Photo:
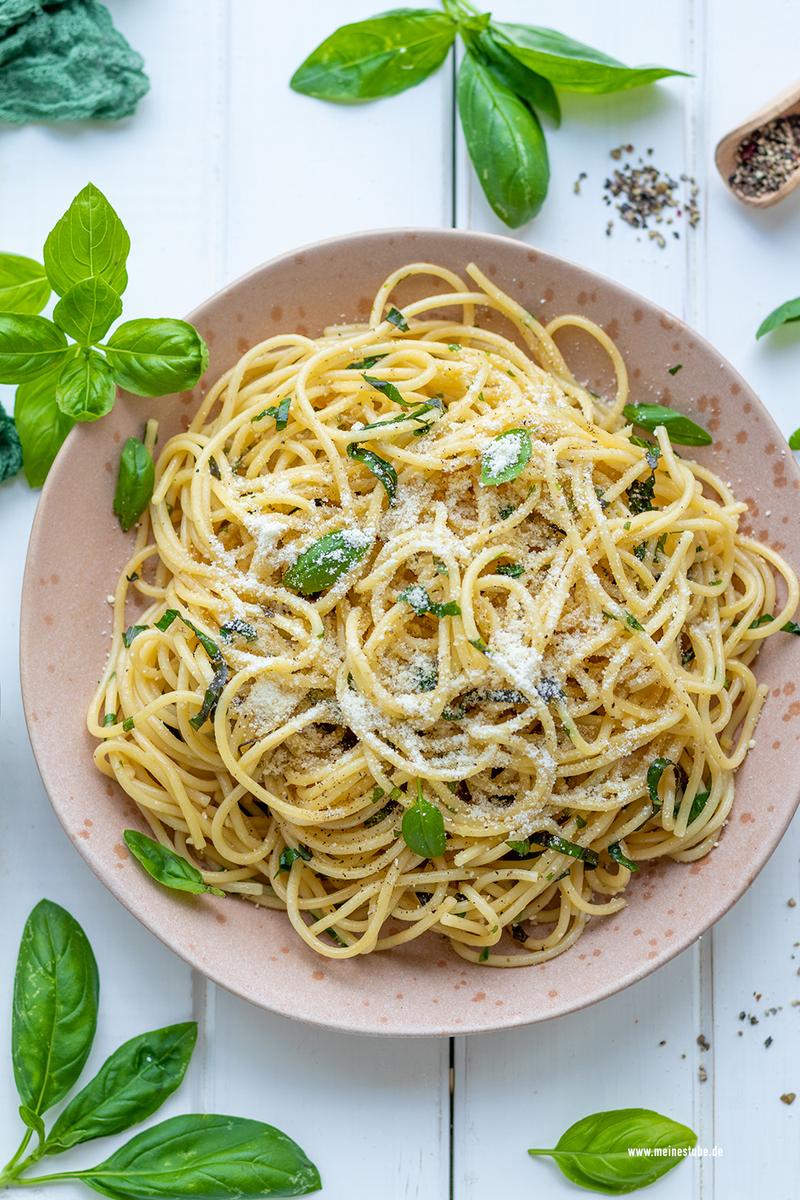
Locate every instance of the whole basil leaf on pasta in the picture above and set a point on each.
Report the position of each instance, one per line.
(156, 356)
(423, 828)
(86, 390)
(383, 471)
(505, 142)
(135, 481)
(326, 560)
(784, 314)
(131, 1084)
(88, 310)
(570, 64)
(41, 425)
(381, 56)
(206, 1157)
(531, 87)
(89, 239)
(680, 429)
(24, 287)
(54, 1008)
(29, 346)
(595, 1152)
(505, 457)
(165, 866)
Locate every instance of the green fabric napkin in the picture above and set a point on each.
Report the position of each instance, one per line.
(63, 60)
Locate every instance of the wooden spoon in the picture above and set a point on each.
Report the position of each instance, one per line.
(787, 104)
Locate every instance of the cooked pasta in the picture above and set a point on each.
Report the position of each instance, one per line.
(428, 640)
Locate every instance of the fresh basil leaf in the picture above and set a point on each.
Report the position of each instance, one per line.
(29, 346)
(135, 480)
(290, 853)
(573, 65)
(387, 389)
(505, 457)
(563, 846)
(791, 627)
(505, 142)
(54, 1008)
(654, 772)
(239, 628)
(88, 310)
(423, 828)
(88, 240)
(165, 866)
(86, 390)
(379, 57)
(132, 632)
(396, 318)
(41, 425)
(794, 440)
(416, 596)
(680, 429)
(383, 471)
(131, 1084)
(595, 1152)
(156, 356)
(615, 852)
(205, 1157)
(784, 314)
(24, 287)
(326, 560)
(698, 804)
(531, 87)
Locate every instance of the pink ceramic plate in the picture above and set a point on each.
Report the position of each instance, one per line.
(77, 550)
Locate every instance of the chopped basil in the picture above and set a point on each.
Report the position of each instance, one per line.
(562, 846)
(280, 412)
(132, 577)
(427, 677)
(289, 854)
(479, 644)
(109, 719)
(674, 370)
(127, 725)
(417, 597)
(238, 627)
(414, 415)
(383, 471)
(505, 457)
(640, 495)
(512, 569)
(660, 544)
(381, 814)
(766, 618)
(616, 853)
(580, 822)
(698, 804)
(484, 954)
(506, 510)
(640, 551)
(326, 560)
(163, 623)
(687, 655)
(385, 388)
(364, 364)
(221, 674)
(213, 468)
(396, 318)
(680, 429)
(522, 849)
(454, 346)
(131, 632)
(654, 772)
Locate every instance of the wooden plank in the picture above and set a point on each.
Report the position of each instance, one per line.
(527, 1086)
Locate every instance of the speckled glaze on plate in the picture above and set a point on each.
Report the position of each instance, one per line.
(77, 550)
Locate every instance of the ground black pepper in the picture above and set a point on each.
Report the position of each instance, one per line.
(767, 157)
(644, 196)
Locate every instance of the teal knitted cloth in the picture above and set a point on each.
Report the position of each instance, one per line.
(63, 60)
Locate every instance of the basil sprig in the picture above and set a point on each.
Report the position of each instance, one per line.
(135, 479)
(53, 1024)
(680, 429)
(595, 1152)
(383, 471)
(506, 81)
(326, 560)
(165, 866)
(423, 827)
(62, 381)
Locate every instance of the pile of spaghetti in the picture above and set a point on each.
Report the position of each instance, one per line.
(432, 640)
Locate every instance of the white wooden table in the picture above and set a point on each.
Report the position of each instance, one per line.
(223, 167)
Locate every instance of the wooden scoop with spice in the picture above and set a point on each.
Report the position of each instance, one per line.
(760, 159)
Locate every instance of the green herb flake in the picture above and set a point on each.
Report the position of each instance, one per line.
(674, 370)
(615, 852)
(290, 854)
(131, 632)
(109, 719)
(416, 596)
(383, 471)
(512, 569)
(238, 628)
(396, 318)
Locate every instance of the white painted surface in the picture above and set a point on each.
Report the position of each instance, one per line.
(222, 167)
